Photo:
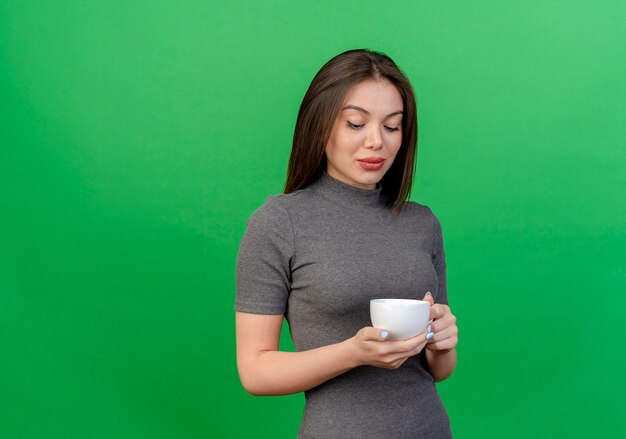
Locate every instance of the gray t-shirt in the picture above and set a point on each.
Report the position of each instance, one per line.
(319, 255)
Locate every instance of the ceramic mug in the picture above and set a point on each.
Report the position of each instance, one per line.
(402, 318)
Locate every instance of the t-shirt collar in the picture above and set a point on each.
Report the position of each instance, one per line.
(345, 194)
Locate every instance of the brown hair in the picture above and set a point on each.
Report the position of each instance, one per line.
(319, 110)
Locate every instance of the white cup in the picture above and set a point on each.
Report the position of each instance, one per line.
(402, 318)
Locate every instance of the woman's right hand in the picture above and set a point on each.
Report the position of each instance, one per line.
(371, 348)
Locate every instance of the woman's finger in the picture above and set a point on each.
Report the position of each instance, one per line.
(450, 331)
(404, 346)
(446, 339)
(444, 345)
(416, 350)
(429, 298)
(438, 310)
(444, 322)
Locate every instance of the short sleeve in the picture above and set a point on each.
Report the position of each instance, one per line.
(439, 261)
(263, 268)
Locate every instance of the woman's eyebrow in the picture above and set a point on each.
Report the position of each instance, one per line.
(363, 110)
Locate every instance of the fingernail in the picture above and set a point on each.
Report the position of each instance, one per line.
(427, 294)
(430, 335)
(429, 329)
(384, 335)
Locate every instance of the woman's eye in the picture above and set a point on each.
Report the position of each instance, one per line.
(353, 125)
(357, 126)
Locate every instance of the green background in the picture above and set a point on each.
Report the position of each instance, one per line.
(138, 137)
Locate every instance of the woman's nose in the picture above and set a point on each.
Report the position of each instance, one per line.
(374, 138)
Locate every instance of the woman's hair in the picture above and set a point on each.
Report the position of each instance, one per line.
(320, 107)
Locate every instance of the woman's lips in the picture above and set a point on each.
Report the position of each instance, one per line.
(371, 164)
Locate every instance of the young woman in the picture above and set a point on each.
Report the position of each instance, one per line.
(343, 233)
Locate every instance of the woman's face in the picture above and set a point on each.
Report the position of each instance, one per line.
(368, 126)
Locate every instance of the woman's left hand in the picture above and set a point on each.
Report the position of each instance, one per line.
(443, 327)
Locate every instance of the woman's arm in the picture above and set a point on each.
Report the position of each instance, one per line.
(441, 364)
(264, 370)
(441, 347)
